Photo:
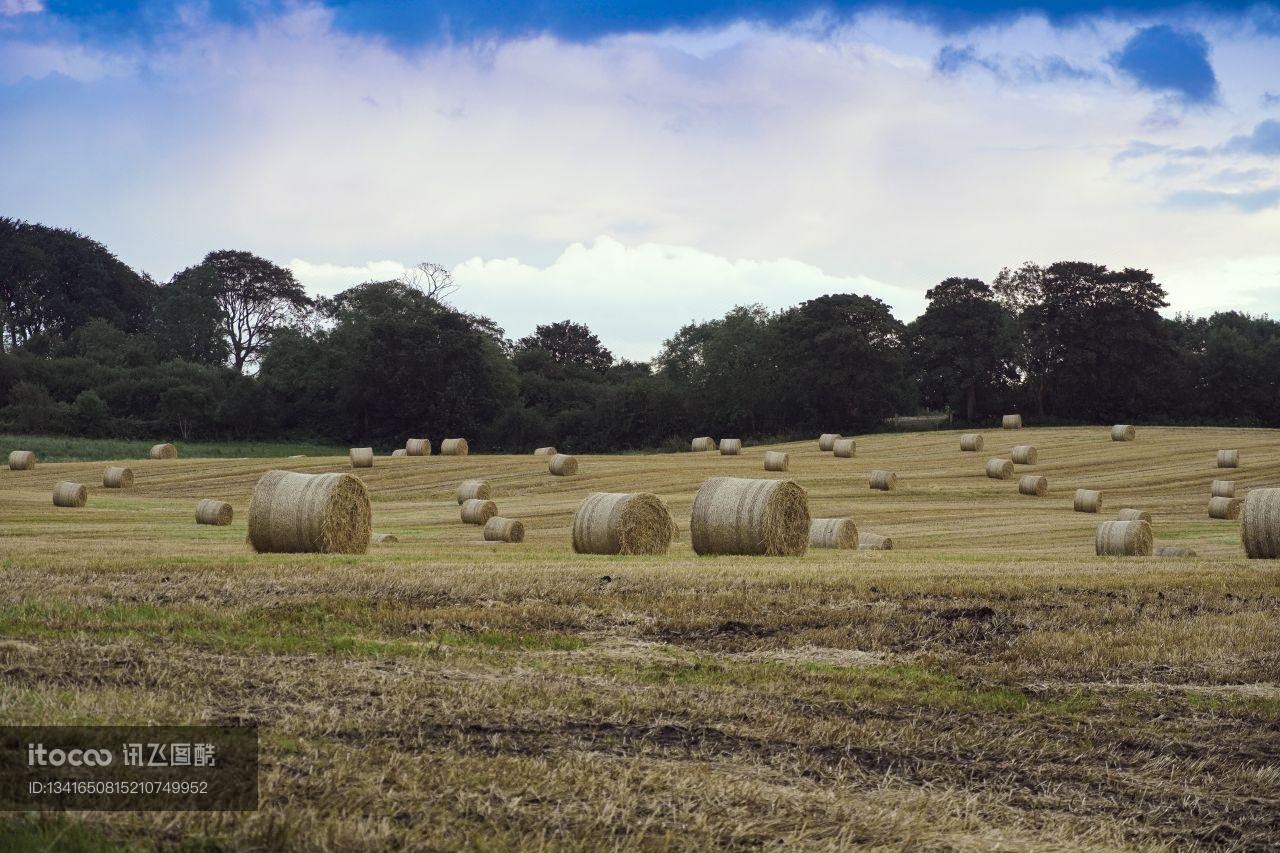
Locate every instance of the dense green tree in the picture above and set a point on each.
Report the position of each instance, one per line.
(256, 299)
(188, 322)
(567, 344)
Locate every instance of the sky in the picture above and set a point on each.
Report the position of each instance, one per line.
(638, 166)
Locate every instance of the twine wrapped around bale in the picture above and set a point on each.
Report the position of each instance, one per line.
(293, 513)
(361, 457)
(1023, 454)
(163, 451)
(618, 523)
(844, 448)
(399, 453)
(999, 469)
(1228, 508)
(116, 477)
(478, 511)
(775, 460)
(1088, 500)
(562, 465)
(881, 480)
(827, 441)
(499, 529)
(70, 494)
(1122, 432)
(874, 542)
(730, 446)
(1228, 458)
(970, 442)
(752, 517)
(1223, 489)
(22, 460)
(1123, 539)
(454, 447)
(1036, 485)
(210, 511)
(1134, 515)
(1174, 551)
(417, 447)
(545, 451)
(833, 533)
(1011, 422)
(383, 539)
(701, 443)
(469, 489)
(1260, 524)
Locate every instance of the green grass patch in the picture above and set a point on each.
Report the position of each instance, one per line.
(66, 448)
(55, 832)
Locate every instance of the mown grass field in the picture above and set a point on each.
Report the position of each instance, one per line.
(989, 684)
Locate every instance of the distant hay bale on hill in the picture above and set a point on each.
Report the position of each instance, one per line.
(833, 533)
(881, 480)
(477, 511)
(730, 446)
(117, 477)
(1088, 500)
(361, 457)
(562, 465)
(22, 460)
(622, 523)
(1174, 551)
(775, 460)
(1260, 524)
(1228, 458)
(210, 511)
(970, 442)
(384, 539)
(1023, 454)
(827, 441)
(844, 448)
(999, 469)
(701, 443)
(163, 451)
(1122, 432)
(309, 513)
(1011, 422)
(1123, 539)
(1134, 515)
(473, 489)
(454, 447)
(1036, 485)
(70, 494)
(751, 517)
(399, 453)
(1228, 508)
(545, 451)
(417, 447)
(499, 529)
(1223, 489)
(874, 542)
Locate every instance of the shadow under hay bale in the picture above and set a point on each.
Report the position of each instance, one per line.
(22, 460)
(970, 442)
(1123, 432)
(833, 533)
(117, 477)
(1087, 500)
(827, 441)
(622, 523)
(469, 489)
(999, 469)
(477, 511)
(499, 529)
(1036, 485)
(162, 451)
(292, 513)
(750, 517)
(775, 460)
(1123, 539)
(562, 465)
(1024, 454)
(210, 511)
(68, 494)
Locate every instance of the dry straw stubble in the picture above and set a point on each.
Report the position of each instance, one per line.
(750, 517)
(293, 513)
(22, 460)
(833, 533)
(163, 451)
(117, 477)
(562, 465)
(970, 442)
(1024, 454)
(210, 511)
(999, 469)
(499, 529)
(1123, 539)
(844, 448)
(1036, 485)
(1225, 508)
(1087, 500)
(622, 523)
(1260, 524)
(70, 494)
(775, 460)
(1123, 432)
(469, 489)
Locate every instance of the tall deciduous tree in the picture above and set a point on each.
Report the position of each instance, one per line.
(256, 298)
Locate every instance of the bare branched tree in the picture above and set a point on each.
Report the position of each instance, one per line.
(432, 279)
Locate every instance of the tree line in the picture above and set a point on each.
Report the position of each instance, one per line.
(233, 348)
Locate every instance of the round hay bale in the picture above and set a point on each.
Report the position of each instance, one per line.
(730, 446)
(833, 533)
(1023, 454)
(844, 448)
(1123, 539)
(70, 494)
(1036, 485)
(384, 539)
(399, 453)
(701, 443)
(827, 441)
(1174, 551)
(478, 511)
(617, 523)
(292, 513)
(1260, 524)
(753, 517)
(999, 469)
(1011, 422)
(361, 457)
(469, 489)
(454, 447)
(417, 447)
(499, 529)
(775, 460)
(116, 477)
(545, 451)
(1228, 508)
(1228, 458)
(882, 480)
(1088, 500)
(1122, 432)
(874, 542)
(1223, 489)
(1134, 515)
(163, 451)
(22, 460)
(562, 465)
(209, 511)
(970, 442)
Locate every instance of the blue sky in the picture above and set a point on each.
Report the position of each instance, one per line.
(640, 165)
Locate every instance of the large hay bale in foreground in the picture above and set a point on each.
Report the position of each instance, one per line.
(399, 453)
(1122, 432)
(1228, 458)
(701, 443)
(1174, 551)
(499, 529)
(1036, 485)
(1223, 489)
(562, 465)
(827, 441)
(1011, 422)
(163, 451)
(117, 477)
(775, 460)
(874, 542)
(469, 489)
(1134, 515)
(1123, 539)
(881, 480)
(454, 447)
(833, 533)
(1087, 500)
(545, 451)
(1227, 508)
(70, 494)
(1023, 454)
(970, 442)
(210, 511)
(752, 517)
(361, 457)
(844, 448)
(1260, 524)
(730, 446)
(22, 460)
(292, 513)
(620, 523)
(477, 511)
(417, 447)
(999, 469)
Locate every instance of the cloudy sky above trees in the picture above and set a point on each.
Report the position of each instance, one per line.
(637, 170)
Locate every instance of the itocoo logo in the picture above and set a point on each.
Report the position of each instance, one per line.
(39, 756)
